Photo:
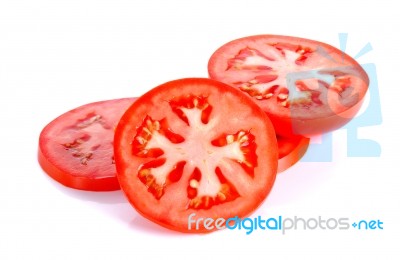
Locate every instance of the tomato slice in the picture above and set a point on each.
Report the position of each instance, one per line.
(76, 149)
(291, 150)
(306, 87)
(195, 146)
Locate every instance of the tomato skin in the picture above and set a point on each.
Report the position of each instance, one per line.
(171, 211)
(307, 127)
(336, 107)
(64, 167)
(291, 150)
(310, 127)
(81, 183)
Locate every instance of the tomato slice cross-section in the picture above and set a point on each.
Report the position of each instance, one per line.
(306, 87)
(195, 146)
(76, 148)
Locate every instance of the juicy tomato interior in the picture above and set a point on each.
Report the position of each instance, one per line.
(306, 87)
(291, 150)
(76, 149)
(195, 146)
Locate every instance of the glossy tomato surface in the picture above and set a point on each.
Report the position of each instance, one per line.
(306, 87)
(195, 146)
(76, 148)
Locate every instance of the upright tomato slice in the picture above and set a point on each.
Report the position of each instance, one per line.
(76, 148)
(195, 146)
(306, 87)
(291, 150)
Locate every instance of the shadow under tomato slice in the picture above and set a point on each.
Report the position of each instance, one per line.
(291, 150)
(76, 148)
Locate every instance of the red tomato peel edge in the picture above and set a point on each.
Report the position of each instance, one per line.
(291, 150)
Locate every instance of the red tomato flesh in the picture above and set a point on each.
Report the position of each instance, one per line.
(76, 148)
(195, 146)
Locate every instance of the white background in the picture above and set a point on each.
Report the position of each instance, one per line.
(56, 55)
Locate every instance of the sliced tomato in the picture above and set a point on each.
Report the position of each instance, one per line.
(195, 146)
(306, 87)
(291, 150)
(76, 148)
